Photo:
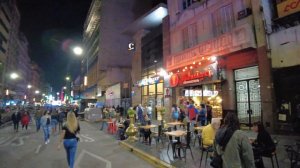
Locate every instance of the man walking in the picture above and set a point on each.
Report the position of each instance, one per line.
(16, 117)
(37, 117)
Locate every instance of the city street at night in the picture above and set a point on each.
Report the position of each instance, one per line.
(150, 83)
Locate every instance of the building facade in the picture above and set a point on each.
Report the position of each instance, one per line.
(284, 34)
(213, 54)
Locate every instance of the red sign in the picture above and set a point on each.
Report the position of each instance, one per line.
(174, 80)
(189, 78)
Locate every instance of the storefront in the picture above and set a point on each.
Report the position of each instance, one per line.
(152, 87)
(199, 84)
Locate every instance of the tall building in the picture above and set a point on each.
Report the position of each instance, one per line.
(107, 61)
(283, 30)
(214, 55)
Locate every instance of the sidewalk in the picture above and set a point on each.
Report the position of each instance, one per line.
(159, 156)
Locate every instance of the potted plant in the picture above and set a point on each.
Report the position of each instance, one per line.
(131, 130)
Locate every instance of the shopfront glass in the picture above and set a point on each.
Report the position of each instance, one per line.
(203, 94)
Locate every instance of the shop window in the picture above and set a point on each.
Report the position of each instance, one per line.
(151, 89)
(160, 88)
(223, 20)
(185, 37)
(145, 90)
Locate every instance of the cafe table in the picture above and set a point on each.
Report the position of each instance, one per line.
(148, 126)
(177, 134)
(199, 128)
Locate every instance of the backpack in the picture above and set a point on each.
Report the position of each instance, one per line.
(48, 121)
(175, 114)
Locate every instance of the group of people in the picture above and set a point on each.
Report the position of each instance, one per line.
(201, 115)
(50, 118)
(225, 138)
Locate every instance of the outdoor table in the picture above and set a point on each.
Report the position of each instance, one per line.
(148, 126)
(177, 134)
(200, 128)
(175, 124)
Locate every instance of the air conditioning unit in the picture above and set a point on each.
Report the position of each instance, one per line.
(244, 13)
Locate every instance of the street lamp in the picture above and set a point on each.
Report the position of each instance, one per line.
(67, 78)
(37, 92)
(77, 50)
(14, 75)
(29, 86)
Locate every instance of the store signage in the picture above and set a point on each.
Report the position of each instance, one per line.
(189, 78)
(148, 81)
(288, 7)
(131, 46)
(222, 45)
(199, 93)
(168, 92)
(174, 80)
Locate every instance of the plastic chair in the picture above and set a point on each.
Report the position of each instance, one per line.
(206, 149)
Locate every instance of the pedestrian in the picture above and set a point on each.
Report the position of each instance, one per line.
(46, 125)
(263, 145)
(69, 138)
(54, 121)
(233, 145)
(61, 116)
(38, 115)
(105, 117)
(208, 112)
(25, 120)
(16, 117)
(201, 116)
(175, 112)
(149, 110)
(139, 114)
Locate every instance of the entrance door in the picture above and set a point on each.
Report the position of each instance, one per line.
(248, 95)
(248, 101)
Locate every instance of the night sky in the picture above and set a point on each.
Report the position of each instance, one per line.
(52, 27)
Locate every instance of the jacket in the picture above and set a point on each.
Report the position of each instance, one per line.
(238, 152)
(25, 119)
(208, 135)
(44, 120)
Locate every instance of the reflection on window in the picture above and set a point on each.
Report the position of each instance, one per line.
(160, 88)
(151, 89)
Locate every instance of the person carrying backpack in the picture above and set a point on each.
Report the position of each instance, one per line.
(175, 112)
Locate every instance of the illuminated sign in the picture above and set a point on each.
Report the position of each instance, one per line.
(189, 78)
(131, 46)
(199, 93)
(288, 7)
(174, 80)
(148, 81)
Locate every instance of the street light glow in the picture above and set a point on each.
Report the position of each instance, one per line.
(37, 92)
(67, 78)
(65, 87)
(77, 50)
(57, 93)
(29, 86)
(14, 75)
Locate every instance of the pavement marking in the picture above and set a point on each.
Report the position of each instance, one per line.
(38, 149)
(86, 138)
(84, 152)
(20, 139)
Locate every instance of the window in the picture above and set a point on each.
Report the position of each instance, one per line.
(189, 36)
(187, 3)
(223, 20)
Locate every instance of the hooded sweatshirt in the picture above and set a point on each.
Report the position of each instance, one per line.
(238, 151)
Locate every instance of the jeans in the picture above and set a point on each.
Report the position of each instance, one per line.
(70, 147)
(46, 132)
(102, 126)
(16, 126)
(38, 124)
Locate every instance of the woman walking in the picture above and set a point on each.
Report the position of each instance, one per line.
(69, 138)
(46, 125)
(25, 120)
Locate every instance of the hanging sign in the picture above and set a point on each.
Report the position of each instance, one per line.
(148, 81)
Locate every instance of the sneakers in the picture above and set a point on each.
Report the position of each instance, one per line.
(48, 141)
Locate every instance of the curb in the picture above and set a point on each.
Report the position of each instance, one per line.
(147, 157)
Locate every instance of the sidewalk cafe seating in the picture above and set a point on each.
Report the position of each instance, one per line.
(294, 154)
(206, 149)
(172, 142)
(158, 136)
(185, 146)
(273, 154)
(112, 126)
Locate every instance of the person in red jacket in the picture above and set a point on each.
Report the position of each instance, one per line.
(25, 120)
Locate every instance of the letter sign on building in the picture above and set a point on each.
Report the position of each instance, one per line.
(288, 7)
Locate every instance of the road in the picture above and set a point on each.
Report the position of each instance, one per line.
(26, 149)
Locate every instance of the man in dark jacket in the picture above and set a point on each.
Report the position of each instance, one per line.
(16, 117)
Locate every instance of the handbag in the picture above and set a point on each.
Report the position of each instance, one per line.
(217, 161)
